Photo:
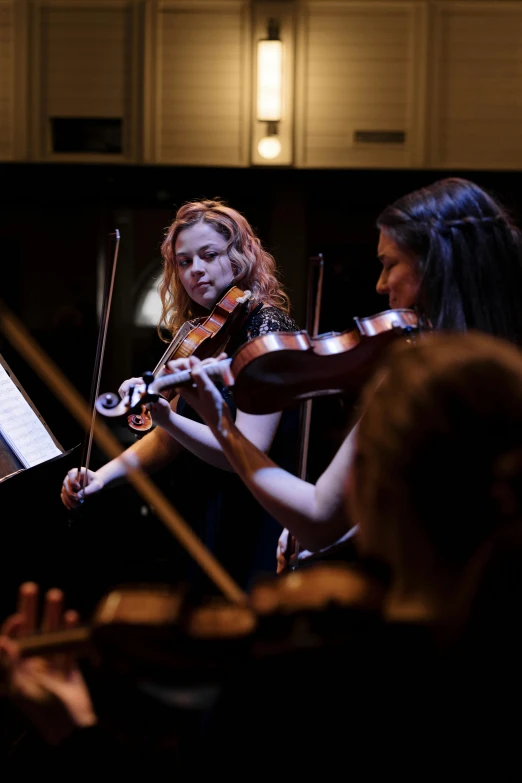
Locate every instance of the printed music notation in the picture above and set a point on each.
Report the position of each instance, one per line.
(22, 429)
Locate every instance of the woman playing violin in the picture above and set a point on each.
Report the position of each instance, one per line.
(436, 487)
(427, 678)
(208, 248)
(451, 252)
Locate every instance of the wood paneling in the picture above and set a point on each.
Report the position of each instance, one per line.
(360, 75)
(6, 80)
(200, 99)
(478, 69)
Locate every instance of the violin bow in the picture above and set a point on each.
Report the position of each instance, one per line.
(313, 313)
(110, 274)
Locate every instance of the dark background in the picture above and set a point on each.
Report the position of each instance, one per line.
(54, 223)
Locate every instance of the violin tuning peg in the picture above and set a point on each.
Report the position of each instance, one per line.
(148, 377)
(107, 401)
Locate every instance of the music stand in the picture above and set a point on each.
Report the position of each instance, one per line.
(32, 529)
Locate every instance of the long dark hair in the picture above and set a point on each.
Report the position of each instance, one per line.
(469, 252)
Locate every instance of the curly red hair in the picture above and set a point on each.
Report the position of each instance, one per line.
(254, 268)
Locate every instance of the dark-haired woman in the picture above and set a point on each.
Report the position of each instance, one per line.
(452, 252)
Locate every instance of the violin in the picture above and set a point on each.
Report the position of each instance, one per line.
(201, 337)
(152, 633)
(160, 634)
(273, 371)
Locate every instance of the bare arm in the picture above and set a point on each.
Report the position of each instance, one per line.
(200, 440)
(159, 447)
(314, 514)
(152, 452)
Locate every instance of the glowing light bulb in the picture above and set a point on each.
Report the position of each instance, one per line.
(269, 147)
(269, 81)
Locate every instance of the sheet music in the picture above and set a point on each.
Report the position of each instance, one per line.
(21, 428)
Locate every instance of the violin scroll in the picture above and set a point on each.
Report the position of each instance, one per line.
(107, 402)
